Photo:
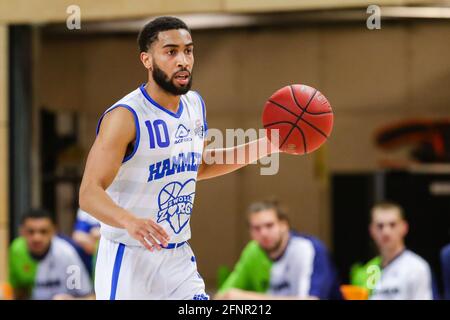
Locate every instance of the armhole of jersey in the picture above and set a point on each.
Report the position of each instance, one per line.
(205, 124)
(136, 122)
(320, 273)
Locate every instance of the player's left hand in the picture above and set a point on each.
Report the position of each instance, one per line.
(147, 232)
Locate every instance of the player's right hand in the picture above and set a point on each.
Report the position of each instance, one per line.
(147, 232)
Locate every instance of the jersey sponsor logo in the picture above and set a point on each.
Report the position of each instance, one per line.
(386, 291)
(175, 201)
(199, 130)
(182, 162)
(48, 283)
(280, 286)
(182, 134)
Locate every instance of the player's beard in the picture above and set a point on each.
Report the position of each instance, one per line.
(167, 84)
(275, 247)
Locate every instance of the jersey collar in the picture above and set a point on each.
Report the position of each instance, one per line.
(393, 259)
(285, 249)
(156, 104)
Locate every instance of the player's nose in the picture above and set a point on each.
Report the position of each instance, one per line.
(183, 61)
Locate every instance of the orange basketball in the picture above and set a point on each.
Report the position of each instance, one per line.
(303, 117)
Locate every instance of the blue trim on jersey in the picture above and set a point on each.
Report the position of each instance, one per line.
(321, 274)
(136, 122)
(324, 281)
(174, 245)
(156, 104)
(204, 112)
(116, 271)
(393, 259)
(83, 226)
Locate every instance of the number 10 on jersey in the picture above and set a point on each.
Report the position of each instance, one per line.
(158, 129)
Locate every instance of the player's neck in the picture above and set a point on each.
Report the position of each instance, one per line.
(390, 254)
(276, 254)
(42, 255)
(162, 97)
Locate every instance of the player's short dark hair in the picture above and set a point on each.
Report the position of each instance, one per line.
(150, 31)
(388, 205)
(37, 214)
(271, 204)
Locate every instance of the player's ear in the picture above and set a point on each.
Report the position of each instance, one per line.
(146, 60)
(405, 228)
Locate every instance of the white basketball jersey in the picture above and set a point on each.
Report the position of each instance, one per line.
(407, 277)
(157, 179)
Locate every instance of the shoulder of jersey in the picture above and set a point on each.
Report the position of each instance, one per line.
(300, 241)
(63, 247)
(302, 238)
(193, 97)
(131, 96)
(414, 260)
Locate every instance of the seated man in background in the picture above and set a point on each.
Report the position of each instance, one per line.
(86, 233)
(278, 263)
(403, 275)
(43, 266)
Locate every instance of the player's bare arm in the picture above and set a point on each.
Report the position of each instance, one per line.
(209, 170)
(117, 131)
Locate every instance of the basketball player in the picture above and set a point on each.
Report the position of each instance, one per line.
(404, 274)
(141, 173)
(279, 263)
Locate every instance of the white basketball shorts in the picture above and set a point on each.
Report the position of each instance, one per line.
(135, 273)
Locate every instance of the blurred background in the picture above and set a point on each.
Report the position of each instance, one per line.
(389, 89)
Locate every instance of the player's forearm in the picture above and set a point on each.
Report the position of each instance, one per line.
(217, 162)
(95, 201)
(215, 170)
